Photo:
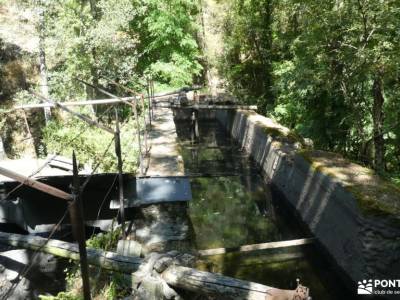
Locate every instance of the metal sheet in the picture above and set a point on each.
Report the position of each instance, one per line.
(154, 190)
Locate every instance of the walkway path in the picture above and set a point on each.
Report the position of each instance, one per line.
(165, 159)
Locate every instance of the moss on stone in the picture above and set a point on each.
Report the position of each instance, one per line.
(289, 137)
(369, 201)
(374, 194)
(248, 112)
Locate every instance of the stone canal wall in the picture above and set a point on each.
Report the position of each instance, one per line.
(362, 236)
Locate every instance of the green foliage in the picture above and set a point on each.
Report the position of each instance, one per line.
(104, 284)
(312, 65)
(105, 241)
(224, 214)
(396, 180)
(246, 62)
(120, 40)
(90, 143)
(167, 47)
(61, 296)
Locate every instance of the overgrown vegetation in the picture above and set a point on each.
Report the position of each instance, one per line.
(98, 41)
(104, 284)
(90, 143)
(329, 70)
(120, 40)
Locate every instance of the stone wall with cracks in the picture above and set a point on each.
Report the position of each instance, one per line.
(364, 246)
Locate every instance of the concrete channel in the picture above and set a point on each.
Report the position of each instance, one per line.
(243, 183)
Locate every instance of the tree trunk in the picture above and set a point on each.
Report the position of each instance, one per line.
(44, 88)
(378, 119)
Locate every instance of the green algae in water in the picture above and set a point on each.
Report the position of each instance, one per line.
(202, 154)
(226, 213)
(239, 210)
(278, 268)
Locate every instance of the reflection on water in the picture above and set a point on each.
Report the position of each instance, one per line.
(233, 206)
(232, 211)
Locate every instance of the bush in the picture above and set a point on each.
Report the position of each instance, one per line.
(90, 143)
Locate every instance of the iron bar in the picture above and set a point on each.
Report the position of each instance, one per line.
(36, 184)
(78, 228)
(120, 177)
(150, 99)
(135, 112)
(145, 126)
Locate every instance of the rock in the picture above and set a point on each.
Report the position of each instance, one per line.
(309, 143)
(164, 227)
(163, 263)
(44, 275)
(150, 289)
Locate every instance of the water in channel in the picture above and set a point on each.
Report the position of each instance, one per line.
(233, 205)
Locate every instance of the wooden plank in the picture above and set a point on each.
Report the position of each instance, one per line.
(76, 103)
(224, 287)
(36, 184)
(257, 247)
(105, 92)
(104, 259)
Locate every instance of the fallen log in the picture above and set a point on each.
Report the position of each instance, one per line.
(175, 276)
(257, 247)
(226, 287)
(105, 259)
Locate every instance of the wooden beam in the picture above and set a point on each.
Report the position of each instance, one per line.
(257, 247)
(113, 100)
(78, 115)
(117, 142)
(107, 260)
(105, 92)
(48, 160)
(76, 103)
(36, 184)
(200, 282)
(223, 287)
(78, 228)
